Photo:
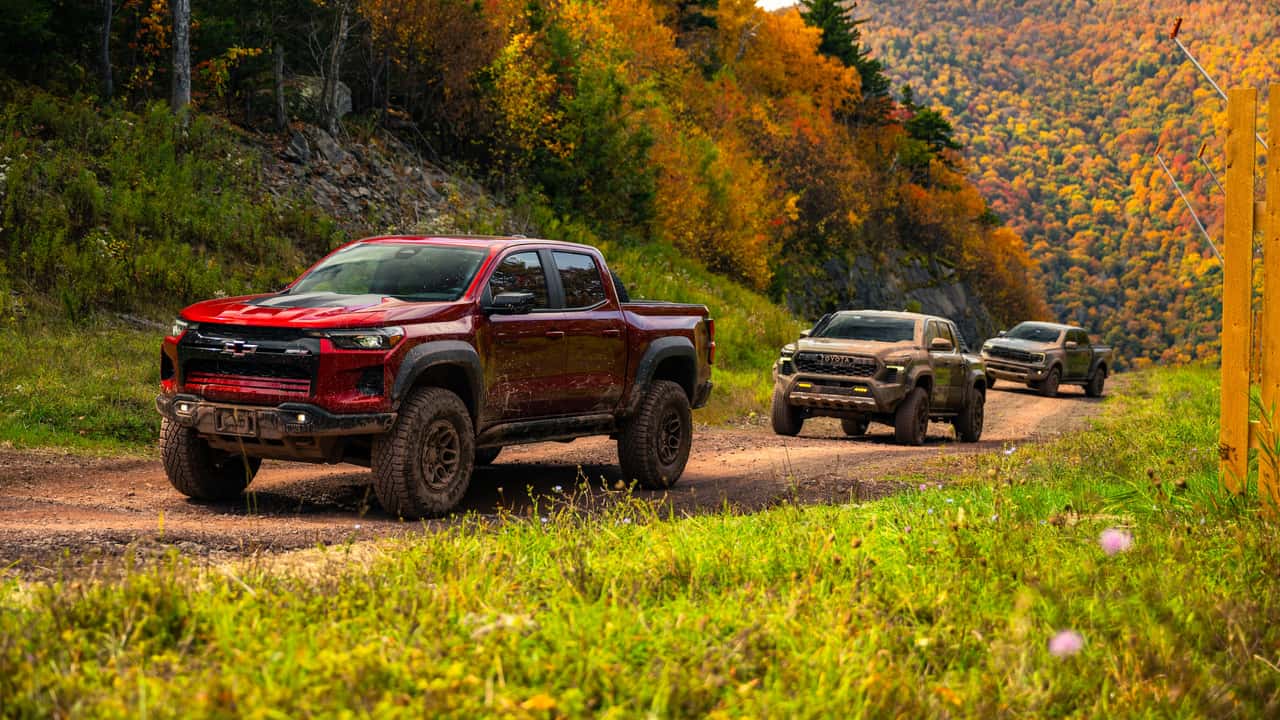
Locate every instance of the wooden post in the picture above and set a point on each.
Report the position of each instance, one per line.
(1269, 328)
(1237, 289)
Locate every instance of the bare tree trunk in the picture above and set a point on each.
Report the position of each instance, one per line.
(281, 118)
(181, 55)
(329, 94)
(108, 83)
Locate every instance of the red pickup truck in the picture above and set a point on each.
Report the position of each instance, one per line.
(422, 357)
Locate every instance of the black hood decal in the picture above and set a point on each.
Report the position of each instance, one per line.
(318, 300)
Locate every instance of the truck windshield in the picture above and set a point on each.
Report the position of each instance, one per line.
(868, 328)
(405, 271)
(1034, 332)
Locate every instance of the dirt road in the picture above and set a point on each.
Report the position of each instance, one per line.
(51, 503)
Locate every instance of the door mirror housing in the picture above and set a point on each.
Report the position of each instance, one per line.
(806, 333)
(940, 344)
(511, 303)
(1002, 333)
(1071, 345)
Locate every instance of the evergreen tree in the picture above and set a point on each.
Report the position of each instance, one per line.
(841, 39)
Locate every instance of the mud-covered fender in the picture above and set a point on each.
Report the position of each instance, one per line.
(434, 353)
(659, 351)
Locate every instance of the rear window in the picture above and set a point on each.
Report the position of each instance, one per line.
(869, 328)
(1034, 332)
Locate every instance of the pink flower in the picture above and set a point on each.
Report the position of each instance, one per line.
(1066, 643)
(1115, 541)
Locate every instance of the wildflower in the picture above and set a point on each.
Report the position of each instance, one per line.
(557, 489)
(995, 518)
(1066, 643)
(546, 520)
(1010, 450)
(930, 511)
(1115, 541)
(950, 500)
(356, 526)
(924, 486)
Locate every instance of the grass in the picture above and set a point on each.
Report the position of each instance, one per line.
(937, 602)
(87, 386)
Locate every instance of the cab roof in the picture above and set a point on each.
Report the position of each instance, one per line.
(892, 314)
(487, 241)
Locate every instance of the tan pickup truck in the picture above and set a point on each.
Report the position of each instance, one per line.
(1046, 355)
(901, 369)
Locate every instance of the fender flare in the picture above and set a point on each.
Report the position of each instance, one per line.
(659, 350)
(434, 353)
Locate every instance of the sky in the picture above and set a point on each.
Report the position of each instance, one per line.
(774, 4)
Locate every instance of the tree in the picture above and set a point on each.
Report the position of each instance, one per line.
(104, 58)
(181, 56)
(330, 112)
(841, 40)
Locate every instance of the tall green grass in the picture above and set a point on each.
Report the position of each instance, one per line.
(936, 602)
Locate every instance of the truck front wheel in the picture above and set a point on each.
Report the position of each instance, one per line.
(911, 419)
(786, 420)
(1049, 386)
(422, 467)
(1094, 388)
(654, 446)
(197, 470)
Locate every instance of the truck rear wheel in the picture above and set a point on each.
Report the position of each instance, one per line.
(969, 422)
(197, 470)
(855, 427)
(654, 446)
(911, 419)
(422, 467)
(1094, 388)
(786, 420)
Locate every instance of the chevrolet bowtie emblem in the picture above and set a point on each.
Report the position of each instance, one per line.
(238, 348)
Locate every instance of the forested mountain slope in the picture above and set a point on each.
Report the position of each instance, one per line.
(1060, 106)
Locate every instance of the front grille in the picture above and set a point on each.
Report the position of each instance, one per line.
(212, 331)
(247, 368)
(832, 364)
(1010, 353)
(211, 385)
(247, 363)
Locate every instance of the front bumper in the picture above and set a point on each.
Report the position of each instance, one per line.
(1014, 370)
(841, 395)
(288, 420)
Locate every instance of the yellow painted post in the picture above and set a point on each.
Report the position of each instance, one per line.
(1233, 442)
(1269, 329)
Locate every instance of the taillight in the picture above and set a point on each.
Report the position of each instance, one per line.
(711, 341)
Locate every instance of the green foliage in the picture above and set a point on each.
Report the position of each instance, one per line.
(933, 602)
(841, 39)
(122, 210)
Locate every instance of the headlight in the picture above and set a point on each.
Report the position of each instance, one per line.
(1037, 358)
(179, 327)
(986, 347)
(366, 339)
(788, 350)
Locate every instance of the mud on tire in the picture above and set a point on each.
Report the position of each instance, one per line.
(786, 420)
(197, 470)
(654, 446)
(422, 467)
(911, 419)
(969, 422)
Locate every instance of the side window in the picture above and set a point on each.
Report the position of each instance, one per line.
(583, 286)
(945, 332)
(521, 272)
(931, 332)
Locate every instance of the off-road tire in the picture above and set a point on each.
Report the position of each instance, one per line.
(654, 446)
(855, 427)
(199, 471)
(1048, 387)
(969, 422)
(911, 419)
(786, 419)
(486, 456)
(423, 465)
(1094, 387)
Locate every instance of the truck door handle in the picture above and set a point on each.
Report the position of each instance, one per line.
(506, 338)
(612, 333)
(555, 334)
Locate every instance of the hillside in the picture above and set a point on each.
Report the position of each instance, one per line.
(1060, 106)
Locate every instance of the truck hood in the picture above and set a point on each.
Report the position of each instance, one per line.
(1014, 344)
(853, 347)
(317, 310)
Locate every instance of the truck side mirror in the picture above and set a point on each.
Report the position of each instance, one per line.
(940, 344)
(1002, 333)
(806, 333)
(1071, 345)
(510, 303)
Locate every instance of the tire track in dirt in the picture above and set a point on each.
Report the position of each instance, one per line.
(51, 503)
